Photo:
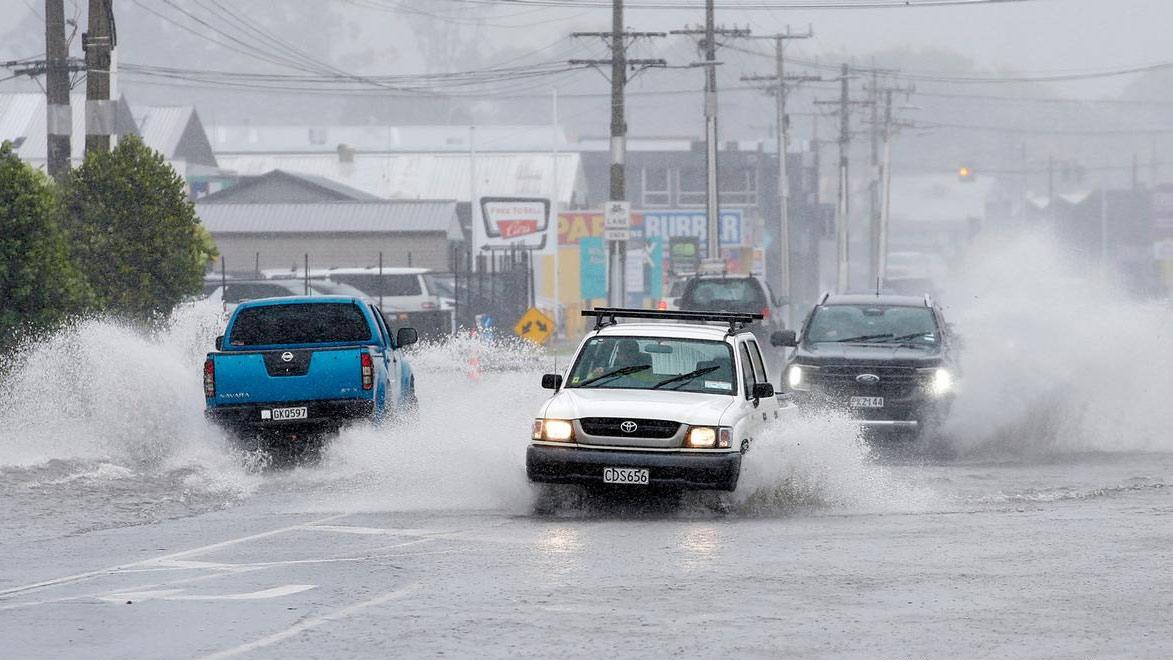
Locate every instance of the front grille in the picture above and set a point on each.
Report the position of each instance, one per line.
(645, 428)
(841, 379)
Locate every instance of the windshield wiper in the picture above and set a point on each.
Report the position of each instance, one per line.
(905, 338)
(863, 338)
(685, 377)
(621, 371)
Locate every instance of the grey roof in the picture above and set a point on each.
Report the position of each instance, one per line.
(329, 217)
(162, 127)
(430, 175)
(327, 187)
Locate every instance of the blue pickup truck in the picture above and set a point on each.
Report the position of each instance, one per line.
(296, 369)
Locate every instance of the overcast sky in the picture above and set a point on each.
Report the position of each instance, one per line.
(1031, 36)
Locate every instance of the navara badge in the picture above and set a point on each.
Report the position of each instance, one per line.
(867, 379)
(287, 357)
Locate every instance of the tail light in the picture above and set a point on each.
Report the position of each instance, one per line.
(209, 378)
(766, 313)
(368, 371)
(428, 306)
(663, 305)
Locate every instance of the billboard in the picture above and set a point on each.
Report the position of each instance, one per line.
(512, 222)
(666, 225)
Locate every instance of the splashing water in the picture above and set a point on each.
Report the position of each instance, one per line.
(819, 461)
(1055, 361)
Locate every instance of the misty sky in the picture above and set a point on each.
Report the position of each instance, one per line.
(1033, 36)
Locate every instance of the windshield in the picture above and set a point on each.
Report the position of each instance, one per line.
(318, 323)
(873, 324)
(645, 363)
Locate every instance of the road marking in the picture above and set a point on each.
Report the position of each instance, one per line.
(177, 594)
(164, 558)
(312, 622)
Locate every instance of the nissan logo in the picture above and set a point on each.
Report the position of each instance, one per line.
(867, 379)
(629, 427)
(287, 357)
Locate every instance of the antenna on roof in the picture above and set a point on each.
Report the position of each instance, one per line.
(878, 280)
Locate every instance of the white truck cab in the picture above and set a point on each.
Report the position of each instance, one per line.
(672, 399)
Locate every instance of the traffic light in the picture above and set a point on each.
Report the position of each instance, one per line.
(965, 174)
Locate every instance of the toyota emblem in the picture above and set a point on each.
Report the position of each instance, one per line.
(628, 426)
(287, 357)
(867, 379)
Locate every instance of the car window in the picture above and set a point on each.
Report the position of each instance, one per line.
(382, 327)
(386, 285)
(747, 372)
(321, 323)
(755, 356)
(685, 365)
(722, 291)
(242, 291)
(873, 323)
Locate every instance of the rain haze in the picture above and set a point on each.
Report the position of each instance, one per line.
(369, 328)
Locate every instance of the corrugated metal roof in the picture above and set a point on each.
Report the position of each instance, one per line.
(338, 217)
(325, 139)
(427, 176)
(162, 126)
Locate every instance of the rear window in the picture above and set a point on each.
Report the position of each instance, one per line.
(384, 285)
(318, 323)
(717, 293)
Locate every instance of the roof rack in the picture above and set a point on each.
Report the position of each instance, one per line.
(605, 316)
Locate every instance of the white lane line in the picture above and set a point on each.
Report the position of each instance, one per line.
(177, 594)
(312, 622)
(164, 558)
(223, 570)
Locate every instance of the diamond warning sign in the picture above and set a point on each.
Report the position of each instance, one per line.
(535, 326)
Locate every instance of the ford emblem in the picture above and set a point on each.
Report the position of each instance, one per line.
(867, 379)
(287, 357)
(629, 427)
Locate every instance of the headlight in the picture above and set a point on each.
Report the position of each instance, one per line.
(553, 430)
(798, 377)
(708, 437)
(940, 381)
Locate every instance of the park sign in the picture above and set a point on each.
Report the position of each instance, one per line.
(513, 222)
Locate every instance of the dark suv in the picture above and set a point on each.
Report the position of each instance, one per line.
(746, 294)
(887, 360)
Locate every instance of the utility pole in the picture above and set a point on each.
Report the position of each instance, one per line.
(842, 208)
(708, 47)
(886, 128)
(618, 40)
(783, 136)
(98, 44)
(876, 175)
(58, 117)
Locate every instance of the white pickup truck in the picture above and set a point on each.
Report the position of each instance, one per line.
(675, 402)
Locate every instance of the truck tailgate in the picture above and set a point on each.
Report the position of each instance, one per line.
(293, 375)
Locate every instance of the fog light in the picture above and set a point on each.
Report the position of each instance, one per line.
(702, 437)
(796, 377)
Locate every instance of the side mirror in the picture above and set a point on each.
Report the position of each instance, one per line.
(763, 391)
(220, 343)
(551, 381)
(406, 337)
(784, 338)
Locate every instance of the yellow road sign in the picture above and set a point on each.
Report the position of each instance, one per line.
(534, 326)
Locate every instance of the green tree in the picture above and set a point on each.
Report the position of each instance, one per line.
(134, 233)
(39, 286)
